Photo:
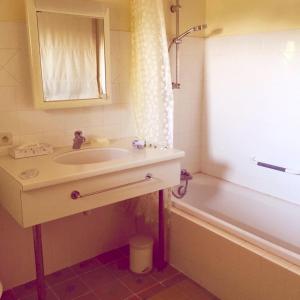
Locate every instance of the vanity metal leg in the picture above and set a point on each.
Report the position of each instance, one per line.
(39, 263)
(161, 232)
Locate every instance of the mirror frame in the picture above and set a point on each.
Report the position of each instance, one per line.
(35, 57)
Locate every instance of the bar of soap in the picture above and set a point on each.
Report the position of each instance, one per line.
(101, 142)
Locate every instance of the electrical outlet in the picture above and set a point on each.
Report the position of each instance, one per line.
(6, 139)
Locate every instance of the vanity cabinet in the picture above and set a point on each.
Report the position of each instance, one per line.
(56, 190)
(49, 203)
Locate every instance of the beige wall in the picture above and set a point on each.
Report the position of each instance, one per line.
(14, 10)
(242, 17)
(192, 13)
(232, 16)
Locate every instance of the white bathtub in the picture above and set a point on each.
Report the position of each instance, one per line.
(265, 221)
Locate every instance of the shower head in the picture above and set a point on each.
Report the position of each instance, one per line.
(200, 27)
(179, 38)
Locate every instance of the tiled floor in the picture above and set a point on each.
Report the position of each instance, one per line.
(107, 277)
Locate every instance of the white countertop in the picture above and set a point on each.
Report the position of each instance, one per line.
(52, 173)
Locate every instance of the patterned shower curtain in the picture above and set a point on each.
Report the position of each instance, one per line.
(151, 78)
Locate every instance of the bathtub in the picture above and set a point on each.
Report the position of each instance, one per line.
(267, 222)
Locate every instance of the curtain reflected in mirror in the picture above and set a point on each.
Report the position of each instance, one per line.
(72, 50)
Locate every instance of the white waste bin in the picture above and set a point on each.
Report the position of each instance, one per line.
(141, 254)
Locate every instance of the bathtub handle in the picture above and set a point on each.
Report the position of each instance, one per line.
(276, 168)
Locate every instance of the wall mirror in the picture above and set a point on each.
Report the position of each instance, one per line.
(70, 53)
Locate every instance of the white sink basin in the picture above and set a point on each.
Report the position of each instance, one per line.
(91, 156)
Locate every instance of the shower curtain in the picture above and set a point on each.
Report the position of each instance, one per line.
(150, 75)
(151, 88)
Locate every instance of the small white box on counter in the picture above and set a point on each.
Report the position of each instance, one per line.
(29, 150)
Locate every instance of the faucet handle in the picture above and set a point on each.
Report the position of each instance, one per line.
(78, 133)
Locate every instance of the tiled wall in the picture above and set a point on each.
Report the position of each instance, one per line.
(79, 237)
(251, 108)
(57, 127)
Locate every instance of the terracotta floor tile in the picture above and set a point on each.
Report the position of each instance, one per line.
(60, 276)
(114, 290)
(26, 289)
(193, 291)
(49, 296)
(124, 250)
(173, 280)
(87, 266)
(88, 296)
(183, 290)
(146, 294)
(97, 278)
(133, 297)
(109, 257)
(119, 268)
(168, 272)
(107, 277)
(8, 295)
(70, 289)
(172, 293)
(136, 283)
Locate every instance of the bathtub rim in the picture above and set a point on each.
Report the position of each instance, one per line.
(244, 235)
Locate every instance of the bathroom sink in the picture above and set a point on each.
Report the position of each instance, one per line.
(91, 156)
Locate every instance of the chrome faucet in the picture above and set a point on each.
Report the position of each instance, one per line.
(78, 140)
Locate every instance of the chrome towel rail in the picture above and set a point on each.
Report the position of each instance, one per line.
(76, 194)
(276, 168)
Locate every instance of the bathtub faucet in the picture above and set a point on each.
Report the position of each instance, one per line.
(185, 175)
(181, 190)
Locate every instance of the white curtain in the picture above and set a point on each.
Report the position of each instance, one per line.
(151, 79)
(68, 47)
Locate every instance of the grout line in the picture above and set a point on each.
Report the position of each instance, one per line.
(85, 284)
(80, 295)
(148, 288)
(173, 276)
(125, 285)
(12, 57)
(54, 293)
(89, 271)
(63, 281)
(92, 290)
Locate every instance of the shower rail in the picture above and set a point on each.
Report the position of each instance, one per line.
(175, 8)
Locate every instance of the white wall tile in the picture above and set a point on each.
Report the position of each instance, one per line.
(6, 55)
(18, 66)
(7, 79)
(252, 109)
(7, 98)
(9, 122)
(13, 35)
(58, 126)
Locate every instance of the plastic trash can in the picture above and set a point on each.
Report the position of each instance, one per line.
(141, 254)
